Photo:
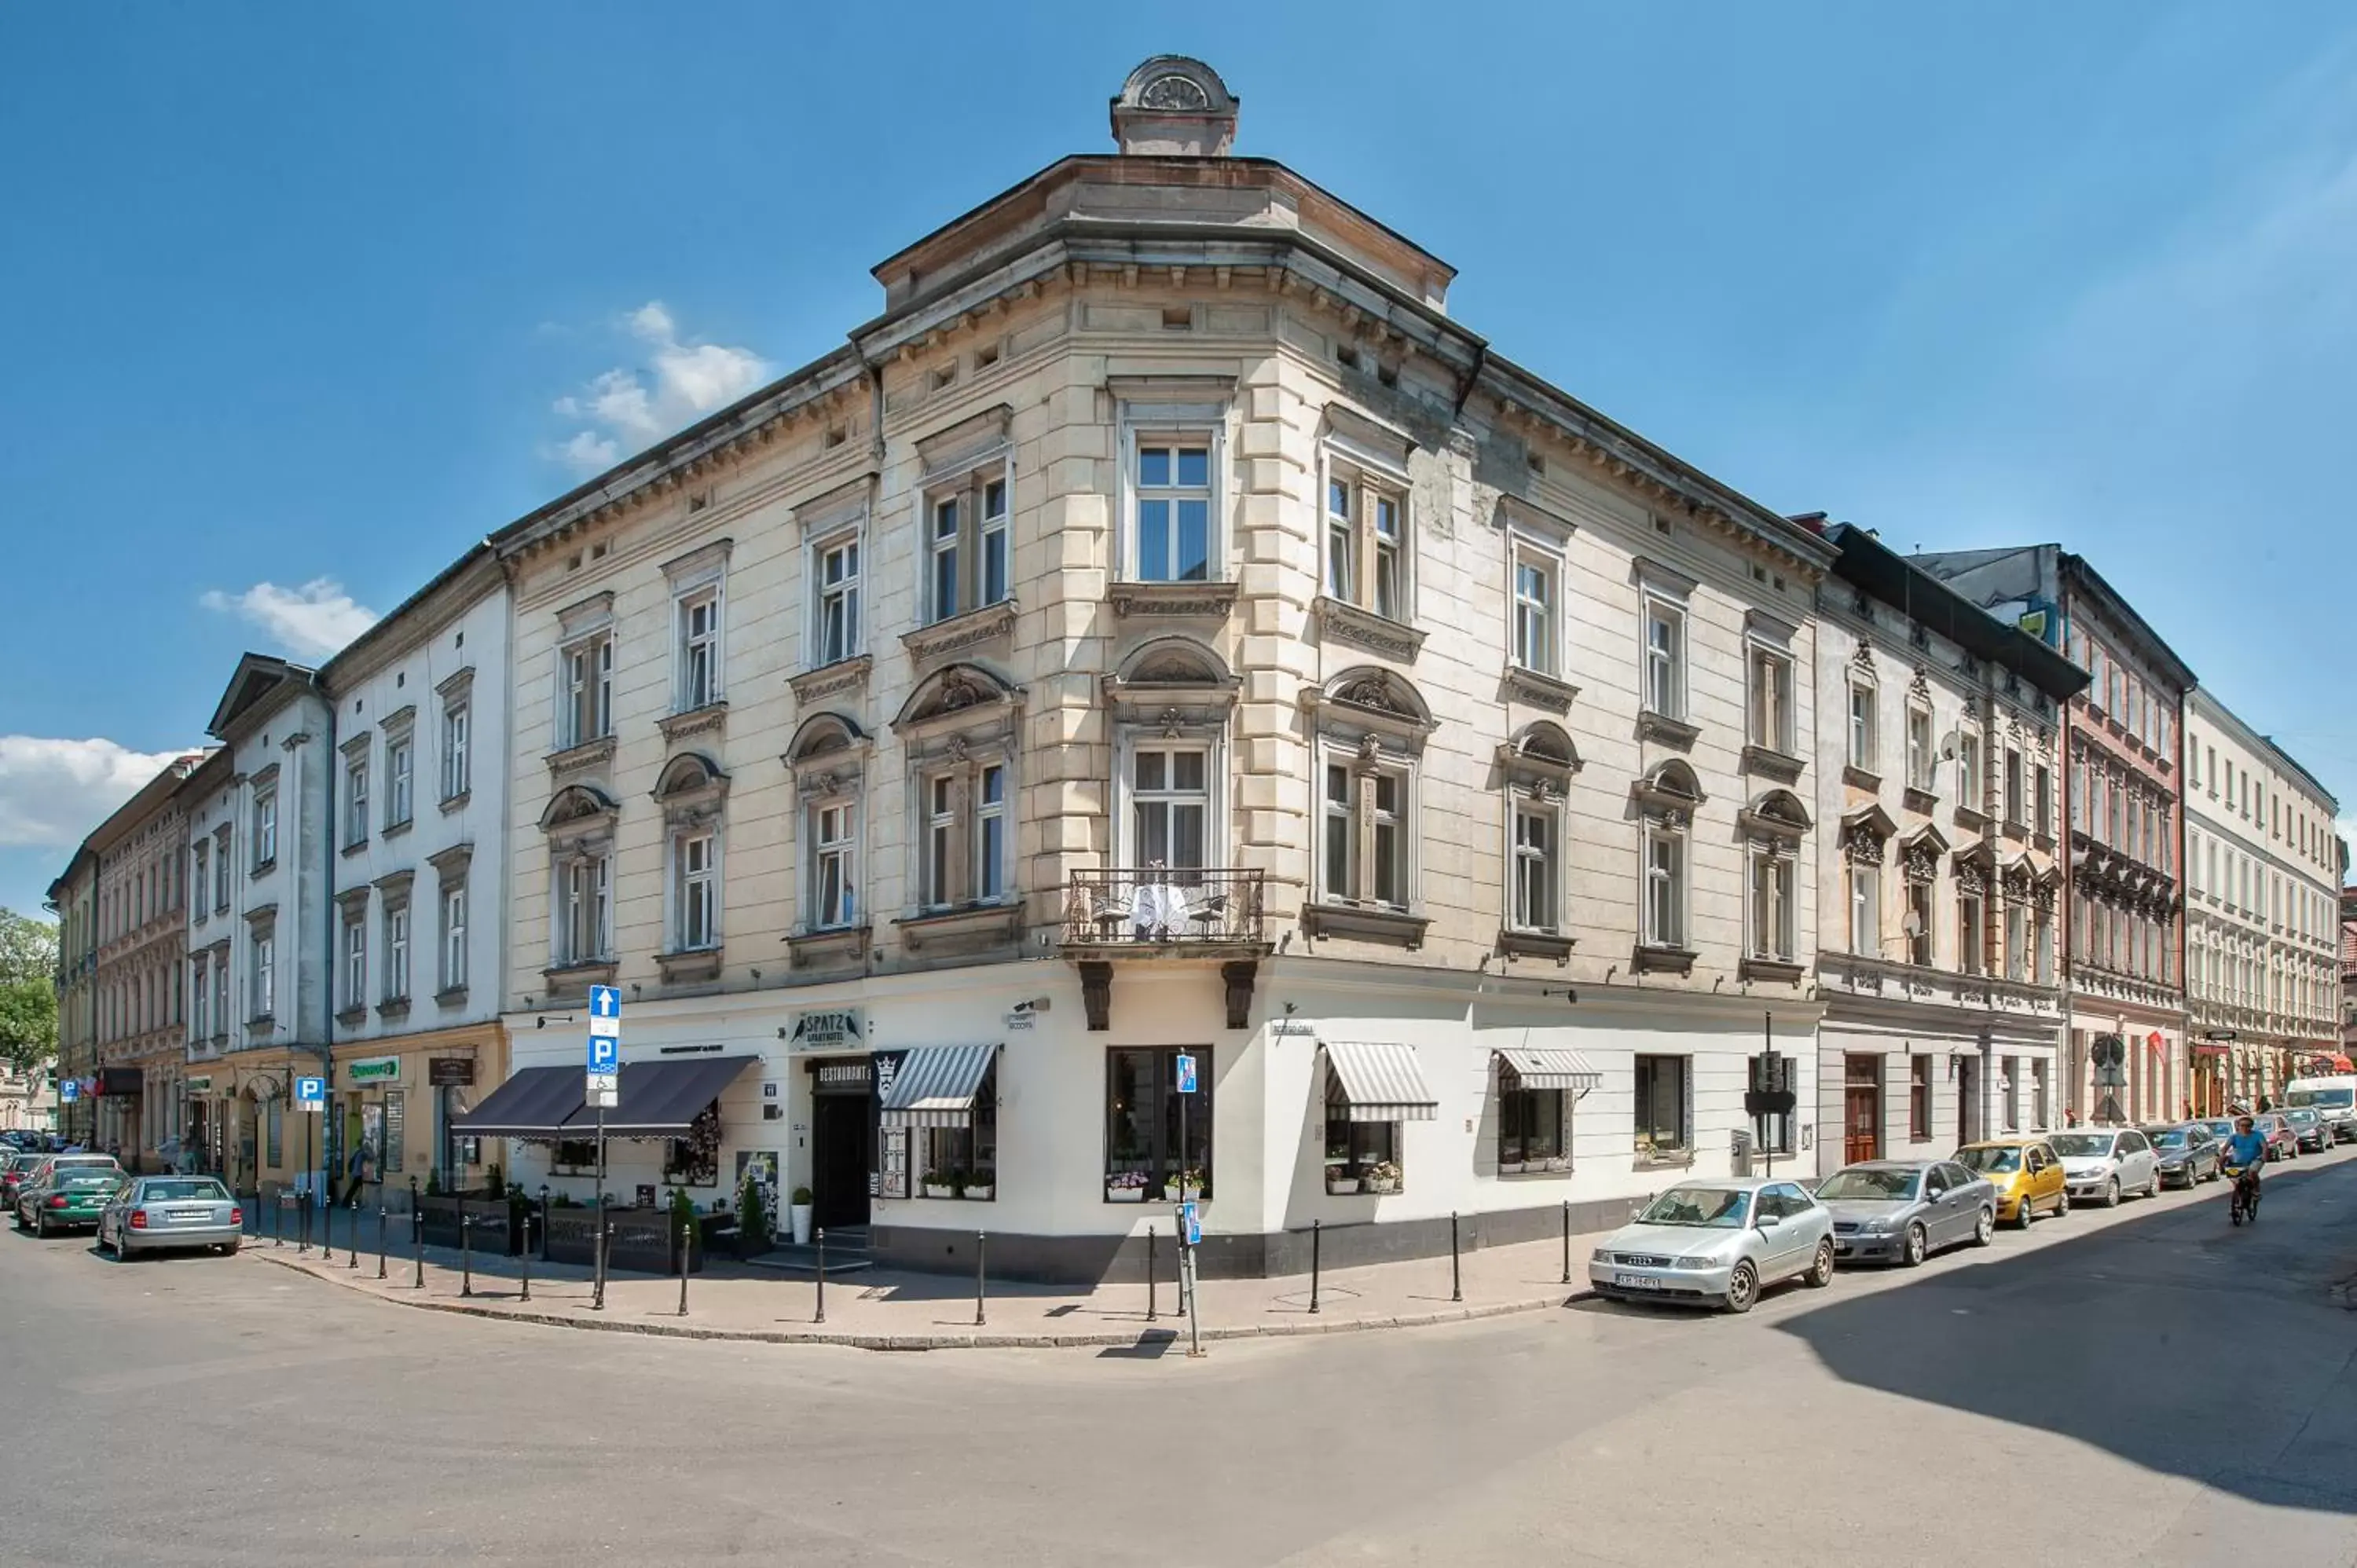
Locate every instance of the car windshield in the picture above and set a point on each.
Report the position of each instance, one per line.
(1720, 1208)
(2324, 1099)
(1989, 1157)
(1865, 1185)
(2221, 1129)
(2303, 1116)
(202, 1189)
(2078, 1145)
(2168, 1138)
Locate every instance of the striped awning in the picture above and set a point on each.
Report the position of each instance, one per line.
(936, 1085)
(1380, 1081)
(1551, 1068)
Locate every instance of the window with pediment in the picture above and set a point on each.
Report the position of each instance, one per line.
(1370, 726)
(828, 758)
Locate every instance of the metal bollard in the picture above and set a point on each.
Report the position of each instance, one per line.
(302, 1223)
(1317, 1235)
(1152, 1268)
(1456, 1278)
(353, 1236)
(379, 1239)
(278, 1204)
(466, 1253)
(524, 1257)
(1566, 1243)
(417, 1246)
(980, 1245)
(822, 1276)
(683, 1234)
(597, 1285)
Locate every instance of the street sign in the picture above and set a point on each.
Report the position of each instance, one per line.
(1190, 1222)
(606, 1011)
(1186, 1074)
(69, 1090)
(311, 1094)
(605, 1054)
(1771, 1073)
(604, 1091)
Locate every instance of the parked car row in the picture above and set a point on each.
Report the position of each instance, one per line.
(1720, 1243)
(48, 1193)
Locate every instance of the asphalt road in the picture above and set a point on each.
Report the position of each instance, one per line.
(2144, 1386)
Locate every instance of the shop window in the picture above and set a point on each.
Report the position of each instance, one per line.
(1664, 1108)
(1919, 1098)
(574, 1156)
(694, 1160)
(1361, 1157)
(964, 1160)
(1534, 1127)
(1143, 1111)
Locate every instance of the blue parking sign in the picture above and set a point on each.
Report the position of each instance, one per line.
(1191, 1223)
(69, 1090)
(1186, 1074)
(605, 1054)
(311, 1094)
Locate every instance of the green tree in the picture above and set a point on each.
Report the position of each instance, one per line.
(28, 996)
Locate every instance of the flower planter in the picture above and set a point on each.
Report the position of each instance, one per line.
(1341, 1186)
(982, 1194)
(1510, 1168)
(1557, 1162)
(1382, 1187)
(1172, 1195)
(799, 1216)
(935, 1189)
(1124, 1194)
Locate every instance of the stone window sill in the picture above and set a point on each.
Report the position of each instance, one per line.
(837, 945)
(1678, 733)
(450, 996)
(971, 927)
(825, 680)
(1770, 763)
(456, 802)
(574, 759)
(394, 829)
(394, 1008)
(1365, 922)
(689, 965)
(712, 717)
(1656, 959)
(1535, 944)
(1540, 689)
(1861, 778)
(1173, 601)
(1777, 970)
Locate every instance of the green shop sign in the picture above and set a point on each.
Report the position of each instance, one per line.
(376, 1070)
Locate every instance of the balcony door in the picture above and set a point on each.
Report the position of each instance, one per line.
(1170, 805)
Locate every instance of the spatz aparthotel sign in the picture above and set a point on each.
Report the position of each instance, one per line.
(835, 1029)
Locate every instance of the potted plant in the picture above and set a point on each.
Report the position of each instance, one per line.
(1557, 1162)
(800, 1214)
(1125, 1186)
(982, 1183)
(1383, 1175)
(1339, 1180)
(1189, 1185)
(940, 1184)
(1512, 1167)
(753, 1231)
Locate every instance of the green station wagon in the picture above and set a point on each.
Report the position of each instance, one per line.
(69, 1199)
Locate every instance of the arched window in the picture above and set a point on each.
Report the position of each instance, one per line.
(692, 793)
(1536, 770)
(1370, 726)
(828, 758)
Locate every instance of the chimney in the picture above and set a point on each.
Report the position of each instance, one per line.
(1173, 107)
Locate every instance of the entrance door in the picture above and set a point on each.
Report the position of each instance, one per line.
(841, 1128)
(1968, 1099)
(1861, 1108)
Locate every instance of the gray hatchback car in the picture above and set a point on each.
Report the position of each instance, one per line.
(1904, 1210)
(151, 1214)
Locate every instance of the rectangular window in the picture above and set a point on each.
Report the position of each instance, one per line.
(995, 578)
(1390, 548)
(1865, 909)
(964, 1159)
(355, 960)
(2009, 1075)
(2043, 777)
(396, 952)
(1367, 840)
(699, 651)
(221, 870)
(265, 828)
(1534, 604)
(835, 876)
(1174, 512)
(1359, 1155)
(990, 833)
(1340, 828)
(836, 630)
(588, 708)
(273, 1137)
(2016, 941)
(941, 842)
(1663, 1120)
(1665, 895)
(1366, 543)
(199, 875)
(945, 573)
(1919, 924)
(2041, 937)
(1971, 793)
(1919, 1098)
(1341, 541)
(1665, 676)
(1918, 748)
(199, 1000)
(1532, 1126)
(1535, 854)
(454, 937)
(456, 770)
(1169, 805)
(1390, 841)
(399, 767)
(1771, 906)
(1864, 746)
(356, 801)
(584, 924)
(265, 973)
(1144, 1142)
(2013, 798)
(1771, 701)
(697, 873)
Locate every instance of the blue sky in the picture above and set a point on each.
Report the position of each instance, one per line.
(307, 298)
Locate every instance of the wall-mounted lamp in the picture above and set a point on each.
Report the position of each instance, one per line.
(1610, 972)
(634, 988)
(1036, 1005)
(757, 977)
(1288, 1009)
(1567, 993)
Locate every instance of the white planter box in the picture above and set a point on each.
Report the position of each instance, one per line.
(1510, 1168)
(982, 1193)
(1383, 1187)
(932, 1191)
(1340, 1186)
(799, 1215)
(1124, 1194)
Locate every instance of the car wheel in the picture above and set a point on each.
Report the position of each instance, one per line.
(1821, 1271)
(2112, 1193)
(229, 1249)
(1742, 1288)
(1918, 1245)
(40, 1227)
(2063, 1203)
(1984, 1229)
(2028, 1213)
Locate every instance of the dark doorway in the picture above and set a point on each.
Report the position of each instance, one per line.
(842, 1129)
(1861, 1109)
(1968, 1100)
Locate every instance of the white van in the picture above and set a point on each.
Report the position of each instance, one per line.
(2334, 1098)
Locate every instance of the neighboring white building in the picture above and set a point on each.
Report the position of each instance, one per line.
(1162, 630)
(1940, 942)
(419, 872)
(2263, 904)
(259, 932)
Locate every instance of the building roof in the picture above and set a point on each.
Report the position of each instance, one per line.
(1898, 582)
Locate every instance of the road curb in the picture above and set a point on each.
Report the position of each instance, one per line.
(977, 1339)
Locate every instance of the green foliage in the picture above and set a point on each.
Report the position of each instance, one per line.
(29, 997)
(803, 1198)
(754, 1224)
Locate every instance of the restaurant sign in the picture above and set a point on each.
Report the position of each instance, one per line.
(451, 1072)
(375, 1069)
(835, 1029)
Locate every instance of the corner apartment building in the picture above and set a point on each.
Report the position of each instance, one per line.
(2124, 781)
(1163, 629)
(1942, 874)
(140, 908)
(2263, 876)
(73, 899)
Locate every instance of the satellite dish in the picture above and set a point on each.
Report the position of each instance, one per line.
(1948, 746)
(1912, 925)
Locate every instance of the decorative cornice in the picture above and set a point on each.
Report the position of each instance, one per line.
(831, 679)
(712, 717)
(1539, 690)
(961, 633)
(1173, 601)
(1670, 732)
(1341, 621)
(580, 758)
(1772, 764)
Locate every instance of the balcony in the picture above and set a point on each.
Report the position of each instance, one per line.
(1147, 912)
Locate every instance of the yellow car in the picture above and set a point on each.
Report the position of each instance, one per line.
(2026, 1173)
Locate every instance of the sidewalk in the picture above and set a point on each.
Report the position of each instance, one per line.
(878, 1309)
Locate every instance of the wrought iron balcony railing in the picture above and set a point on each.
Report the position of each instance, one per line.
(1157, 905)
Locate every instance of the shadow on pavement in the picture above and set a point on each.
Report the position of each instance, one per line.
(2173, 1340)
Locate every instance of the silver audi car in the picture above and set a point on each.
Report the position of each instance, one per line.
(1902, 1211)
(1717, 1243)
(151, 1214)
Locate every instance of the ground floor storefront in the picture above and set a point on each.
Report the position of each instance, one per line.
(1381, 1107)
(2127, 1063)
(1897, 1080)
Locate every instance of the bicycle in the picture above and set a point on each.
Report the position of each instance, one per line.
(2245, 1204)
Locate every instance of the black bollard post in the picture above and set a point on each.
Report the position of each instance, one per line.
(822, 1276)
(353, 1236)
(1456, 1279)
(682, 1266)
(466, 1250)
(277, 1203)
(302, 1223)
(417, 1246)
(1152, 1268)
(597, 1285)
(1566, 1243)
(1317, 1235)
(524, 1257)
(380, 1235)
(980, 1245)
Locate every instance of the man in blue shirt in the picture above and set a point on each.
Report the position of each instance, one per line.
(2247, 1151)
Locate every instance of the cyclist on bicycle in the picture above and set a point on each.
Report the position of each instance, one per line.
(2247, 1151)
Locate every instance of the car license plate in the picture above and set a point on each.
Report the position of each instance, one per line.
(1637, 1282)
(189, 1215)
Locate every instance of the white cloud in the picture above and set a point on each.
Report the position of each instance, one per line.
(54, 792)
(311, 621)
(680, 382)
